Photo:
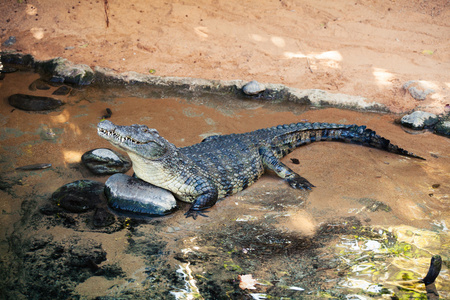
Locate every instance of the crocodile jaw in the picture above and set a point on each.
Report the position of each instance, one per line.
(138, 139)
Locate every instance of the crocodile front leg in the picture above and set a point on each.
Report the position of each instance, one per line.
(271, 162)
(204, 201)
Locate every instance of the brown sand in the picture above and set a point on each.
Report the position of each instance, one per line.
(361, 47)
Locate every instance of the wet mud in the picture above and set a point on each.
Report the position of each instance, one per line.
(372, 222)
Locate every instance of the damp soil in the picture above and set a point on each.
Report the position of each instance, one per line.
(374, 219)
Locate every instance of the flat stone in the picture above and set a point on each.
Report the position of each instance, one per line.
(253, 88)
(131, 195)
(419, 120)
(104, 161)
(417, 89)
(34, 103)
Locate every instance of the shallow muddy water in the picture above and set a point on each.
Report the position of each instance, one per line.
(372, 222)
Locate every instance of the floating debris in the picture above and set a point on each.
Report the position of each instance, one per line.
(247, 282)
(433, 273)
(34, 167)
(295, 161)
(191, 290)
(108, 114)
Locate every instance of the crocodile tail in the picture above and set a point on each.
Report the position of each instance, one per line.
(299, 134)
(367, 137)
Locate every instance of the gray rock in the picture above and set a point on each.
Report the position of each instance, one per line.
(253, 88)
(417, 90)
(34, 103)
(63, 70)
(103, 161)
(79, 196)
(132, 195)
(443, 127)
(419, 120)
(10, 41)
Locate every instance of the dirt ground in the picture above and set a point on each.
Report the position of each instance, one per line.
(358, 47)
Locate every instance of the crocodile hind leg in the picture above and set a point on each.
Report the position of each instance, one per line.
(271, 162)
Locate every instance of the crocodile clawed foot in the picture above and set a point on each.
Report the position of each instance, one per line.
(298, 182)
(195, 213)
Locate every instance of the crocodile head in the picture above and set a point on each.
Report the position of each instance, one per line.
(136, 139)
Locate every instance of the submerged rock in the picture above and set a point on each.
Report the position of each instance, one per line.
(417, 89)
(8, 70)
(49, 134)
(132, 195)
(443, 127)
(103, 218)
(79, 196)
(62, 91)
(419, 120)
(253, 88)
(34, 103)
(38, 84)
(103, 161)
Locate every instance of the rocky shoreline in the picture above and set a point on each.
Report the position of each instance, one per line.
(61, 70)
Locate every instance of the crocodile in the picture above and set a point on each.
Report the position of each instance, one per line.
(222, 165)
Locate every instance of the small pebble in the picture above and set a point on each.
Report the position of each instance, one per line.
(10, 41)
(253, 88)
